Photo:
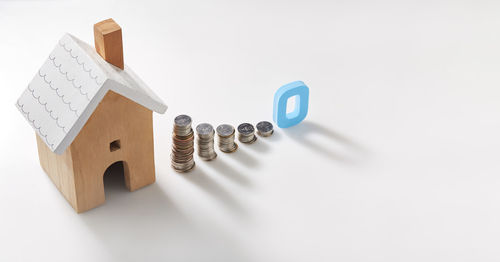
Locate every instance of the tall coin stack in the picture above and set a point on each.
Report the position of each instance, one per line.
(182, 144)
(226, 138)
(246, 133)
(205, 141)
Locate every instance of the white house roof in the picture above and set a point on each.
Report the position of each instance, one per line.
(69, 86)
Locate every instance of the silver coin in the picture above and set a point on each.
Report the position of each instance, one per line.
(204, 129)
(182, 120)
(225, 130)
(247, 139)
(264, 128)
(229, 149)
(205, 142)
(246, 129)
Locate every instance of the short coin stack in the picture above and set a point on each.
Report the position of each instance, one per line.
(246, 133)
(205, 141)
(183, 144)
(264, 128)
(226, 138)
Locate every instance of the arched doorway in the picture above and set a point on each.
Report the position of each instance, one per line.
(114, 179)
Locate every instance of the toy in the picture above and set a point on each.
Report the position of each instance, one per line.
(280, 116)
(88, 113)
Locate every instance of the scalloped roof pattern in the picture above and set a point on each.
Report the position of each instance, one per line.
(68, 87)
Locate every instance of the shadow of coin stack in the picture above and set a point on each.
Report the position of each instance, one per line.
(182, 144)
(205, 141)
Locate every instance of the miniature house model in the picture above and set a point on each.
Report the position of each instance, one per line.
(90, 111)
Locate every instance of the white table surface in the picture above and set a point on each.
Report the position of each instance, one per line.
(398, 159)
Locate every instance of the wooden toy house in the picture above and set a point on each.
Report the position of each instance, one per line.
(90, 111)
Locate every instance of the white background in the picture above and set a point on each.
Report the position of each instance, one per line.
(398, 159)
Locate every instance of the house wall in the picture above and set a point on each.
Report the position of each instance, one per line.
(115, 118)
(59, 168)
(78, 172)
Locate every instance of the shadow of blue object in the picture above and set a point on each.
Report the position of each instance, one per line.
(301, 93)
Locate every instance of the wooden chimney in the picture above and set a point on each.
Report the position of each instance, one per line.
(108, 42)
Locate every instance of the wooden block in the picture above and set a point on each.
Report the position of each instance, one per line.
(116, 118)
(108, 42)
(78, 172)
(59, 168)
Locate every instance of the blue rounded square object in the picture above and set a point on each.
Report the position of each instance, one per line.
(280, 116)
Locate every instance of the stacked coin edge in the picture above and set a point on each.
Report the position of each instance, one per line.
(182, 159)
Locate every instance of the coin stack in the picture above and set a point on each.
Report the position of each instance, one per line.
(246, 133)
(205, 141)
(226, 138)
(183, 144)
(264, 129)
